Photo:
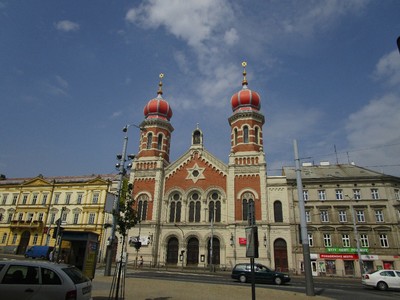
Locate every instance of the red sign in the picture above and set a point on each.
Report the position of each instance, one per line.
(242, 241)
(338, 256)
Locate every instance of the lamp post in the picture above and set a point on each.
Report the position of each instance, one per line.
(183, 237)
(357, 238)
(122, 172)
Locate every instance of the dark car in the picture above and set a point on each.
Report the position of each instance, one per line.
(242, 272)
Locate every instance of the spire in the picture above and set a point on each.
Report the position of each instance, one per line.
(159, 92)
(244, 82)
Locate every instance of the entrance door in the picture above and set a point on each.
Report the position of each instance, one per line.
(280, 254)
(314, 270)
(172, 251)
(215, 254)
(193, 251)
(23, 243)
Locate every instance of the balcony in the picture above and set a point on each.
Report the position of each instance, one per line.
(26, 224)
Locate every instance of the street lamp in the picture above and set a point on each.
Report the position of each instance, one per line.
(183, 237)
(122, 172)
(353, 213)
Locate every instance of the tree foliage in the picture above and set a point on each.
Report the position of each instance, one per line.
(127, 216)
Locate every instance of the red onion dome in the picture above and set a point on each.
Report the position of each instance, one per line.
(245, 99)
(158, 107)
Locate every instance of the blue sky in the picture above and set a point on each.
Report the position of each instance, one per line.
(73, 73)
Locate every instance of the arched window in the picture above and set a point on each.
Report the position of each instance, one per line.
(214, 207)
(256, 132)
(246, 199)
(142, 207)
(245, 134)
(194, 207)
(159, 141)
(278, 214)
(175, 208)
(149, 140)
(196, 137)
(235, 136)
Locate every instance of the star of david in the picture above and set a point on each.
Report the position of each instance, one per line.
(195, 173)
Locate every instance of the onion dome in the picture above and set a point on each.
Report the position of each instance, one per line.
(158, 107)
(245, 99)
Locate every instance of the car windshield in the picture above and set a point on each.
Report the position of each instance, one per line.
(76, 275)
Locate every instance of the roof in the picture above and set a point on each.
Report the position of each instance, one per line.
(60, 179)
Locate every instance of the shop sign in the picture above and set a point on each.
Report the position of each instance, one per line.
(242, 241)
(345, 250)
(338, 256)
(369, 257)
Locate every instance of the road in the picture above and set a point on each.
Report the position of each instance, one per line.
(334, 288)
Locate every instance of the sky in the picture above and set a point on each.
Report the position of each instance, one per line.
(74, 73)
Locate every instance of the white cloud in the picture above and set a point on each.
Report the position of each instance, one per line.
(62, 82)
(67, 26)
(388, 69)
(116, 114)
(231, 37)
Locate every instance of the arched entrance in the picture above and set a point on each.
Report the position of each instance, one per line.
(193, 251)
(280, 254)
(172, 251)
(23, 243)
(215, 254)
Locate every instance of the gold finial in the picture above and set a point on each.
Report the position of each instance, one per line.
(159, 92)
(244, 82)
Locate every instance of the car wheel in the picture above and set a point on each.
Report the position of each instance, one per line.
(382, 286)
(242, 278)
(278, 281)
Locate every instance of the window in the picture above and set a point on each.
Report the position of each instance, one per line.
(321, 195)
(379, 216)
(10, 216)
(24, 199)
(149, 140)
(342, 216)
(339, 194)
(246, 199)
(44, 199)
(29, 217)
(327, 240)
(256, 135)
(384, 241)
(51, 278)
(194, 207)
(92, 216)
(40, 217)
(310, 240)
(375, 194)
(324, 216)
(305, 195)
(364, 240)
(14, 239)
(308, 216)
(245, 134)
(143, 201)
(34, 199)
(76, 218)
(175, 208)
(64, 217)
(52, 218)
(20, 216)
(159, 141)
(15, 198)
(346, 240)
(95, 198)
(21, 275)
(360, 216)
(56, 198)
(79, 198)
(396, 194)
(4, 201)
(68, 198)
(214, 204)
(35, 239)
(4, 238)
(235, 136)
(278, 214)
(356, 194)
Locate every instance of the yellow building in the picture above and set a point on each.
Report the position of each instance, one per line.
(30, 208)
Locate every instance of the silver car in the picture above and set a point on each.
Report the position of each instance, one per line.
(41, 280)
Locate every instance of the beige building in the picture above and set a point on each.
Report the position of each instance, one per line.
(344, 203)
(30, 208)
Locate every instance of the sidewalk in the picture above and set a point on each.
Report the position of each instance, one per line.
(154, 289)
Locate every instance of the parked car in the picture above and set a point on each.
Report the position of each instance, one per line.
(39, 252)
(242, 272)
(382, 279)
(42, 280)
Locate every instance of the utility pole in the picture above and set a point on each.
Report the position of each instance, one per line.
(303, 226)
(211, 240)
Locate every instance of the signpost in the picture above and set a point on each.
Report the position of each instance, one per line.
(252, 245)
